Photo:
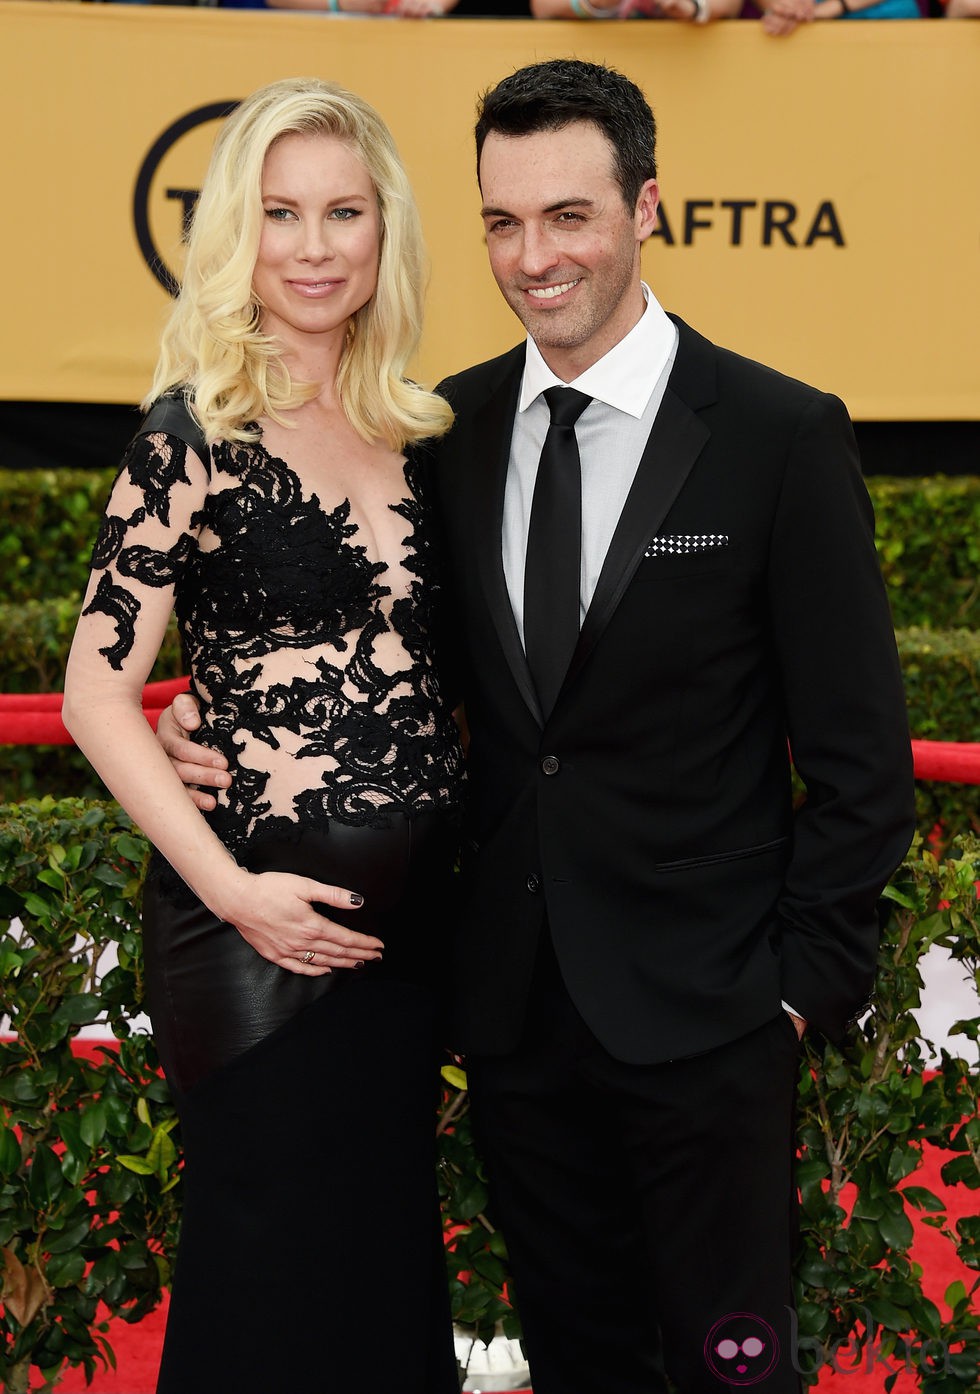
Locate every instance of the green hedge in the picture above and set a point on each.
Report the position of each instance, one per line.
(48, 524)
(928, 539)
(929, 544)
(941, 669)
(32, 771)
(36, 636)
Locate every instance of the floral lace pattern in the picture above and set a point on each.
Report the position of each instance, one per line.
(315, 678)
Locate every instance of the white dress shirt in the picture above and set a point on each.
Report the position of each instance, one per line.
(627, 386)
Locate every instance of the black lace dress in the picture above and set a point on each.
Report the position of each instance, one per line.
(310, 1255)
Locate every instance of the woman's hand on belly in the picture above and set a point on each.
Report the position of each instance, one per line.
(274, 912)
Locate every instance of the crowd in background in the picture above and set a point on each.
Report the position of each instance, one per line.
(779, 17)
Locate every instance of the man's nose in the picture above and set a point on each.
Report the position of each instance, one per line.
(539, 252)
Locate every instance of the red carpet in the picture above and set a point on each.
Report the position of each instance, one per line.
(138, 1347)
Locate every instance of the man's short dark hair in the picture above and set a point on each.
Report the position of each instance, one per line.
(548, 96)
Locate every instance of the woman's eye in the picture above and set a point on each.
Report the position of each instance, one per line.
(344, 215)
(278, 215)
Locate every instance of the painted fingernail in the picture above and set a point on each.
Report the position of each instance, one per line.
(359, 963)
(356, 898)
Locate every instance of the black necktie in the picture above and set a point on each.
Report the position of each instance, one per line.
(552, 572)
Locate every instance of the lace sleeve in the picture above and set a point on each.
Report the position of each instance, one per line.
(149, 531)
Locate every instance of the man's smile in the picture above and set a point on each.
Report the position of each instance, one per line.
(551, 292)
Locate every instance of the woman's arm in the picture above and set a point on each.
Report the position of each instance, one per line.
(783, 16)
(149, 531)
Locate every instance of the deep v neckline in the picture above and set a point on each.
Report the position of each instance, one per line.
(343, 509)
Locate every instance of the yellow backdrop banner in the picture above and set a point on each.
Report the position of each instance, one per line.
(821, 206)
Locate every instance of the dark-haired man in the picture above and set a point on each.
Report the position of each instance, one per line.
(647, 926)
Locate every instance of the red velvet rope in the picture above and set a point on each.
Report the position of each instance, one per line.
(947, 762)
(35, 719)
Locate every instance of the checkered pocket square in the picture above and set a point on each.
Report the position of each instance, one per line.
(681, 544)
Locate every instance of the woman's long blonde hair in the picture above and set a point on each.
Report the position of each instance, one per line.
(213, 346)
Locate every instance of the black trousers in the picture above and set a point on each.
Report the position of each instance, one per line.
(649, 1211)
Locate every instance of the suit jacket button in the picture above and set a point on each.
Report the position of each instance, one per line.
(533, 883)
(550, 764)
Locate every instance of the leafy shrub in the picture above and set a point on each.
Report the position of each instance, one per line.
(48, 523)
(30, 771)
(88, 1160)
(36, 636)
(476, 1254)
(866, 1109)
(928, 534)
(941, 669)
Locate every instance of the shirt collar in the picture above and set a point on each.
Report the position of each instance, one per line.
(624, 377)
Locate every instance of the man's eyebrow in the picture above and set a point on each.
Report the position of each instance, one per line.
(489, 212)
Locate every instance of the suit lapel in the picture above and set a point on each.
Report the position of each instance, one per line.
(493, 429)
(677, 439)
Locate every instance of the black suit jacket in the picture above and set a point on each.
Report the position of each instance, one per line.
(740, 608)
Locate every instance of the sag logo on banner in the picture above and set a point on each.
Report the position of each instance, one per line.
(760, 222)
(168, 185)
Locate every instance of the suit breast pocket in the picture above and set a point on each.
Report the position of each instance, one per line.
(685, 556)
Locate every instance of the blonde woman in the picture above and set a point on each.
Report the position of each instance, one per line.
(292, 962)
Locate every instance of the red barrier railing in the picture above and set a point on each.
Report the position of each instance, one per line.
(947, 762)
(35, 719)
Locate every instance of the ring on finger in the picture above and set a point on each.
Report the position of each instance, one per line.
(309, 956)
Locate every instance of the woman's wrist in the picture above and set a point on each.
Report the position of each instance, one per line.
(226, 890)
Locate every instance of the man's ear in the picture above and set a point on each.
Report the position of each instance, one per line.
(647, 203)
